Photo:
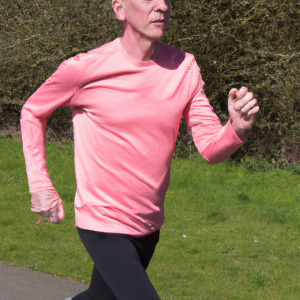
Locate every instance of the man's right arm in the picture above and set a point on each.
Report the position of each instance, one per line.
(55, 92)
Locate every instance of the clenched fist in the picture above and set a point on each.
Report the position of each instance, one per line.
(243, 110)
(48, 205)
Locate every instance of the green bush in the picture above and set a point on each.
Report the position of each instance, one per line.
(252, 43)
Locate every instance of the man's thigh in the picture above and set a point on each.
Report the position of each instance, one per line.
(117, 259)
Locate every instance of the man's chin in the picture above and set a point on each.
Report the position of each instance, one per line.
(156, 36)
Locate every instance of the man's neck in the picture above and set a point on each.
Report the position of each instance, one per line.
(138, 48)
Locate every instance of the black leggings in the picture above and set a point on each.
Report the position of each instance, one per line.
(120, 262)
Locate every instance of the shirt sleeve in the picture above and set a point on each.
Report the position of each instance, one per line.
(57, 91)
(213, 141)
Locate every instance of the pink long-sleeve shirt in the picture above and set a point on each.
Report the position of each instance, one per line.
(126, 116)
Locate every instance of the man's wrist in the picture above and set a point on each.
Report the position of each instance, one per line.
(241, 133)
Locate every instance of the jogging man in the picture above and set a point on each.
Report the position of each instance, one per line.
(127, 97)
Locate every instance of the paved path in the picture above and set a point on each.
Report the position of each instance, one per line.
(18, 283)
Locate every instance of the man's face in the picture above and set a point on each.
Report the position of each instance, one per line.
(147, 18)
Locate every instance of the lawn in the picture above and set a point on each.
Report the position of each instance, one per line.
(229, 233)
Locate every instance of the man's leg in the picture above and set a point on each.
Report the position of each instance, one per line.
(98, 289)
(118, 271)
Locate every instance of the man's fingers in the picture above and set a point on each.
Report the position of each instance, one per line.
(235, 94)
(242, 92)
(239, 104)
(232, 94)
(251, 115)
(253, 111)
(248, 106)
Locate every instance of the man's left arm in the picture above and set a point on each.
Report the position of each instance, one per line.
(214, 141)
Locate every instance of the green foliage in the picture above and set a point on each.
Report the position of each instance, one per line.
(36, 36)
(257, 163)
(253, 43)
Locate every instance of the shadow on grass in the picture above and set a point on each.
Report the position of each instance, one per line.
(215, 215)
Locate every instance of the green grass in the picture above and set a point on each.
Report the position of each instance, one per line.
(242, 229)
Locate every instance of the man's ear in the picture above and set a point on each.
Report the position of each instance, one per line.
(118, 7)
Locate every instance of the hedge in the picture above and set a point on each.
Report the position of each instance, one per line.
(236, 43)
